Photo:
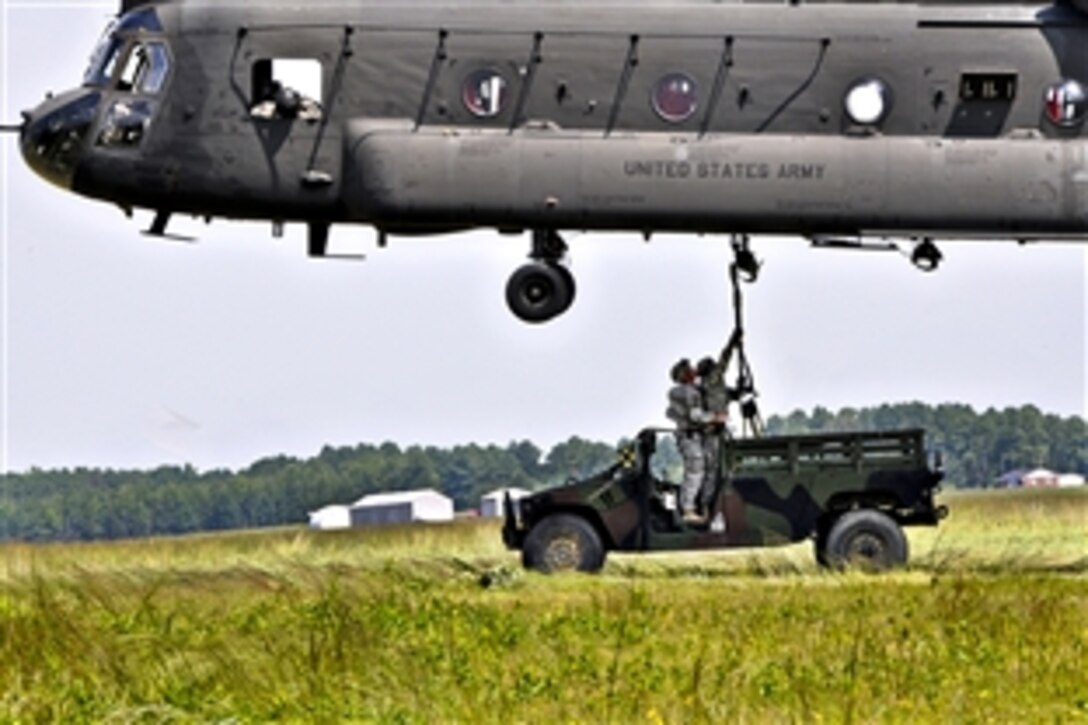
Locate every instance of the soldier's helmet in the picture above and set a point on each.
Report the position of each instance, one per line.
(681, 370)
(706, 367)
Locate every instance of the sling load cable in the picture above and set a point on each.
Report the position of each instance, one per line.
(744, 270)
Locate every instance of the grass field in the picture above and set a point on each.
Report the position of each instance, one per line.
(438, 624)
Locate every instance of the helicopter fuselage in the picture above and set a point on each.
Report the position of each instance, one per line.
(824, 120)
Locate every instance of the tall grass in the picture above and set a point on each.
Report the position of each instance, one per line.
(440, 624)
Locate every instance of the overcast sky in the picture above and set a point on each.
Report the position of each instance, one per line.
(123, 351)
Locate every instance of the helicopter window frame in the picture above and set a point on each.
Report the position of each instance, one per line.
(104, 57)
(146, 19)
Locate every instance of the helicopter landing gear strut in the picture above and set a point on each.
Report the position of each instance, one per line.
(544, 289)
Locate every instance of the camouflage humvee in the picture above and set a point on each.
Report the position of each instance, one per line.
(849, 492)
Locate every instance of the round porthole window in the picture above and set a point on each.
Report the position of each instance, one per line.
(484, 93)
(1066, 104)
(867, 102)
(675, 97)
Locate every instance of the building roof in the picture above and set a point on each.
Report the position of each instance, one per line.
(331, 508)
(1012, 477)
(398, 497)
(500, 492)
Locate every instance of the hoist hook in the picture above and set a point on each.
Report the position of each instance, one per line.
(745, 264)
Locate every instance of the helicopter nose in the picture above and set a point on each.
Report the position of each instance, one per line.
(54, 135)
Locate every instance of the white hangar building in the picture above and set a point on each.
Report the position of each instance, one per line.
(491, 504)
(403, 507)
(331, 518)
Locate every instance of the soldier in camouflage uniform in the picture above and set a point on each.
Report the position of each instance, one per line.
(716, 397)
(686, 410)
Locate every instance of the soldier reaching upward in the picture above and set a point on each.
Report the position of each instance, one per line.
(716, 397)
(687, 411)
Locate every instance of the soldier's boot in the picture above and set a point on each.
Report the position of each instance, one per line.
(693, 518)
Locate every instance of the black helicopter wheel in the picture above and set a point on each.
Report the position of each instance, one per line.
(568, 278)
(540, 292)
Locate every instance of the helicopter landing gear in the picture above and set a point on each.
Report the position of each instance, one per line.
(544, 289)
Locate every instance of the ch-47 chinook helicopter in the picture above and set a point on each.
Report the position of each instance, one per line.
(848, 124)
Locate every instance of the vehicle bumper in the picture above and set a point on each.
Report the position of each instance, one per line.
(513, 533)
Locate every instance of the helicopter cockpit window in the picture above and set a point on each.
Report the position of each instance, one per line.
(145, 69)
(287, 88)
(133, 70)
(159, 66)
(126, 123)
(104, 58)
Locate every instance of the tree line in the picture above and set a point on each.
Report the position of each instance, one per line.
(85, 504)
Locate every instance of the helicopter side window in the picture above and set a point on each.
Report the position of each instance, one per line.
(675, 97)
(286, 89)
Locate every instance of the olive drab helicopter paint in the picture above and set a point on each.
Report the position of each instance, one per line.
(848, 124)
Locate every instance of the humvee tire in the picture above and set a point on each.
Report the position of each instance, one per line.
(563, 542)
(867, 539)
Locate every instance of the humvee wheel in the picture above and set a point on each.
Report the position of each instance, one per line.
(563, 542)
(865, 539)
